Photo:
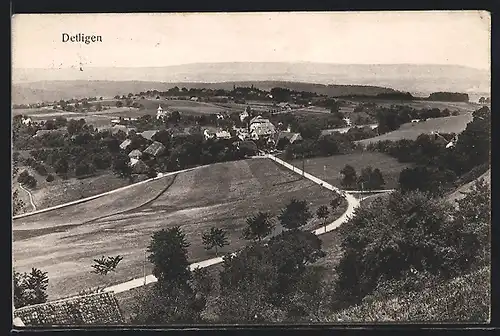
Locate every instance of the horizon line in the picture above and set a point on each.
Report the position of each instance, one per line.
(270, 62)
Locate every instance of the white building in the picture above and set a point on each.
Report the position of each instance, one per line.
(160, 113)
(208, 134)
(243, 115)
(223, 135)
(27, 121)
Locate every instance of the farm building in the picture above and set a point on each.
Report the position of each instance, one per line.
(148, 134)
(138, 166)
(125, 144)
(117, 128)
(438, 138)
(208, 134)
(260, 127)
(156, 148)
(285, 106)
(44, 132)
(290, 136)
(94, 309)
(135, 154)
(223, 135)
(27, 121)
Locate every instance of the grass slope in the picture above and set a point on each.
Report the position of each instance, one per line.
(463, 299)
(222, 195)
(453, 124)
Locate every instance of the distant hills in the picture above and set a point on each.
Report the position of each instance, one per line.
(25, 93)
(320, 77)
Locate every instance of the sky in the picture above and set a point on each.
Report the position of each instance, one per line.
(163, 39)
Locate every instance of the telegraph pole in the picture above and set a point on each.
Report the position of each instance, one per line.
(303, 165)
(144, 268)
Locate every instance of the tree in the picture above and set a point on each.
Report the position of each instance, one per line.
(406, 231)
(119, 103)
(73, 126)
(104, 265)
(30, 288)
(481, 100)
(322, 213)
(335, 202)
(349, 179)
(295, 214)
(17, 204)
(121, 165)
(258, 226)
(370, 179)
(168, 253)
(215, 238)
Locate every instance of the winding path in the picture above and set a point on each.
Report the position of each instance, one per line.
(30, 195)
(353, 203)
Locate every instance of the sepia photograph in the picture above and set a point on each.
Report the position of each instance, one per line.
(251, 168)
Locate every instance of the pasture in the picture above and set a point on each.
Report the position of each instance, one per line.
(64, 242)
(328, 168)
(410, 131)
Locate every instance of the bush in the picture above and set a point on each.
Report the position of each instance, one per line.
(407, 231)
(50, 178)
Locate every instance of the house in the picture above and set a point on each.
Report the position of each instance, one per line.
(261, 127)
(194, 98)
(125, 144)
(220, 116)
(290, 136)
(40, 133)
(115, 121)
(27, 121)
(138, 166)
(93, 309)
(208, 134)
(244, 115)
(223, 135)
(347, 121)
(117, 128)
(438, 138)
(148, 134)
(160, 113)
(135, 154)
(156, 148)
(285, 106)
(415, 120)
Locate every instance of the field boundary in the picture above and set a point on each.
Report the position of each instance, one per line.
(135, 207)
(161, 175)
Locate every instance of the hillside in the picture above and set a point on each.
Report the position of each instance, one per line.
(458, 194)
(463, 299)
(404, 77)
(23, 93)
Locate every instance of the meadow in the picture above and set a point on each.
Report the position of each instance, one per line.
(410, 131)
(328, 168)
(64, 242)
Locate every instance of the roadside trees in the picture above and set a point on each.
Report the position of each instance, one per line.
(215, 238)
(258, 226)
(295, 215)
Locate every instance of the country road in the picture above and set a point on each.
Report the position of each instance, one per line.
(353, 203)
